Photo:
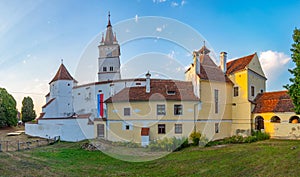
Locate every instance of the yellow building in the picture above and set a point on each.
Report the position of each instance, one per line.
(249, 80)
(274, 114)
(218, 101)
(161, 108)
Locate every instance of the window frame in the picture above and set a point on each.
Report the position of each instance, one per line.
(161, 128)
(126, 111)
(161, 109)
(178, 127)
(111, 68)
(104, 69)
(216, 98)
(236, 91)
(217, 128)
(252, 90)
(178, 109)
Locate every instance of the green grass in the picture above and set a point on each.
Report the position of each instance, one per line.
(264, 158)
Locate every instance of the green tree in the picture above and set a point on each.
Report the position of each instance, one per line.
(27, 112)
(8, 110)
(294, 87)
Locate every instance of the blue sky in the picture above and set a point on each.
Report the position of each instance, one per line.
(36, 34)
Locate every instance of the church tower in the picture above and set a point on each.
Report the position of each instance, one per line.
(109, 56)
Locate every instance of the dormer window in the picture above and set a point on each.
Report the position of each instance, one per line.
(111, 68)
(169, 92)
(104, 69)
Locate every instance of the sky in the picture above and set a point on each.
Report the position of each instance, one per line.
(36, 34)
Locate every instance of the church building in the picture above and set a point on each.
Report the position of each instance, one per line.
(217, 100)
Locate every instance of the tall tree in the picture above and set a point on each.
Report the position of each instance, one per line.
(27, 112)
(8, 110)
(294, 87)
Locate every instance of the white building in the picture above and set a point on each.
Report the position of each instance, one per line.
(70, 109)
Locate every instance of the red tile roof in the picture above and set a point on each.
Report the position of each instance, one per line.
(273, 102)
(62, 74)
(239, 64)
(52, 99)
(159, 92)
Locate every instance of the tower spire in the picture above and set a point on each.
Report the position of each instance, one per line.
(109, 24)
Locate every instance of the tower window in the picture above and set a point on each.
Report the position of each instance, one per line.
(252, 90)
(216, 101)
(236, 91)
(111, 68)
(104, 68)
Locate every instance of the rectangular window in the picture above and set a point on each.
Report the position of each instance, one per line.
(161, 109)
(217, 128)
(216, 101)
(178, 109)
(235, 91)
(252, 90)
(126, 111)
(111, 68)
(161, 128)
(104, 69)
(178, 128)
(127, 127)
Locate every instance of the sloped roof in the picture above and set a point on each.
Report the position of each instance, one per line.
(273, 102)
(181, 91)
(238, 64)
(62, 74)
(210, 71)
(52, 99)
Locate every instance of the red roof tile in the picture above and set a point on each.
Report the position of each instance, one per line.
(159, 92)
(62, 74)
(238, 64)
(273, 102)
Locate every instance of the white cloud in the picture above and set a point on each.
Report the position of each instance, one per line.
(171, 54)
(159, 1)
(183, 2)
(158, 29)
(274, 63)
(174, 4)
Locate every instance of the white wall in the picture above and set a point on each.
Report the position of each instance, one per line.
(68, 129)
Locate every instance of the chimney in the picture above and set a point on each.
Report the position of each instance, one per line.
(197, 64)
(223, 59)
(148, 75)
(112, 89)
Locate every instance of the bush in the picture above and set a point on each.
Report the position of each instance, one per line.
(195, 137)
(260, 135)
(168, 144)
(236, 139)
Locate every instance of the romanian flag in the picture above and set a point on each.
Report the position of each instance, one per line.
(100, 105)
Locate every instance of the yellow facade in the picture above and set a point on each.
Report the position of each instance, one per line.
(144, 114)
(285, 128)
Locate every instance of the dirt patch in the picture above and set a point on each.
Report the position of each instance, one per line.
(18, 142)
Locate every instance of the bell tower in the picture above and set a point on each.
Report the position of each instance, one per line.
(109, 56)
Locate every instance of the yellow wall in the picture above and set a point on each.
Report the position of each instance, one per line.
(143, 114)
(284, 129)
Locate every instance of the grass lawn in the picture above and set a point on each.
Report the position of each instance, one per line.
(264, 158)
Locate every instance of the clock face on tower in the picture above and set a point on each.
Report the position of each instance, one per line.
(108, 52)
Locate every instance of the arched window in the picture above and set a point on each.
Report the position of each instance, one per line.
(275, 119)
(294, 120)
(259, 123)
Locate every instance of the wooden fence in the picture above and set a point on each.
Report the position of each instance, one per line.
(6, 146)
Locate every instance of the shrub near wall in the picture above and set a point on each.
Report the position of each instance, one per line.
(256, 136)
